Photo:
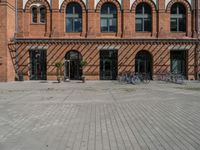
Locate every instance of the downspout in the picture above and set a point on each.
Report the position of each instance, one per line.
(51, 26)
(198, 42)
(198, 51)
(157, 19)
(87, 11)
(15, 36)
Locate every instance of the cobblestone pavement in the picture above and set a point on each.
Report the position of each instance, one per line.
(99, 115)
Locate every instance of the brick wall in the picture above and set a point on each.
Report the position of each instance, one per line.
(91, 21)
(55, 28)
(7, 27)
(127, 52)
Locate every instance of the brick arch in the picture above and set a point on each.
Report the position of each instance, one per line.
(66, 2)
(149, 2)
(42, 2)
(101, 2)
(184, 2)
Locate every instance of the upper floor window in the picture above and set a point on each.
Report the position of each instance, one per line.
(73, 18)
(108, 18)
(178, 18)
(34, 15)
(42, 14)
(143, 18)
(39, 15)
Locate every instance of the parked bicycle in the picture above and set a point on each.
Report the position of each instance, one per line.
(134, 78)
(173, 78)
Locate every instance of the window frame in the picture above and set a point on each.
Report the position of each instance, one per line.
(45, 15)
(74, 17)
(34, 15)
(38, 14)
(109, 18)
(179, 18)
(143, 17)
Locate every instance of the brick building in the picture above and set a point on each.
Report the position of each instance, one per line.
(113, 36)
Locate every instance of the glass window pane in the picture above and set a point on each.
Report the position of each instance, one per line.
(104, 25)
(147, 9)
(181, 9)
(108, 18)
(113, 25)
(174, 9)
(77, 25)
(69, 25)
(108, 8)
(139, 9)
(178, 19)
(174, 24)
(182, 24)
(42, 15)
(74, 17)
(147, 25)
(34, 15)
(139, 25)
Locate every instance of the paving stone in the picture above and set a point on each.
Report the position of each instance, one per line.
(99, 115)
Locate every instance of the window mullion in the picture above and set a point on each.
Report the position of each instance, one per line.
(178, 24)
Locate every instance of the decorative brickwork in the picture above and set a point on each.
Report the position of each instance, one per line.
(150, 2)
(53, 37)
(66, 2)
(101, 2)
(184, 2)
(42, 2)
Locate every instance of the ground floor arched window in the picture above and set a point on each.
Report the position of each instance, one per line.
(143, 63)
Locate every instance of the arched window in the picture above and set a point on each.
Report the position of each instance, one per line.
(34, 15)
(108, 18)
(73, 18)
(42, 14)
(143, 18)
(178, 18)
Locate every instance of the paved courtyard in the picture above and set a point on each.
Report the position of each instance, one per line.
(99, 115)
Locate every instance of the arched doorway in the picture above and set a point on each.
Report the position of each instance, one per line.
(73, 69)
(143, 63)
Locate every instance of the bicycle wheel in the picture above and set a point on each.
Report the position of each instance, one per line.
(180, 79)
(147, 79)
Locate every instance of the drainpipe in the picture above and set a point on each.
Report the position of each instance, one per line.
(15, 35)
(198, 41)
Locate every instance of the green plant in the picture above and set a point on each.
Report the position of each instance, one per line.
(83, 63)
(58, 66)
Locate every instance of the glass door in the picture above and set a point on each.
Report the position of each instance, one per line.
(108, 64)
(38, 66)
(143, 63)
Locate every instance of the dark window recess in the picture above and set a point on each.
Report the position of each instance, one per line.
(73, 18)
(178, 18)
(178, 62)
(34, 15)
(42, 14)
(143, 18)
(108, 18)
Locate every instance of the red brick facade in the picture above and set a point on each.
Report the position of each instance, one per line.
(127, 41)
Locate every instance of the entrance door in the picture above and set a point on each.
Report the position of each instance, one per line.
(73, 69)
(143, 63)
(108, 64)
(38, 64)
(178, 62)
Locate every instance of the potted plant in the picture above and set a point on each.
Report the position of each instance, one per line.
(58, 66)
(83, 64)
